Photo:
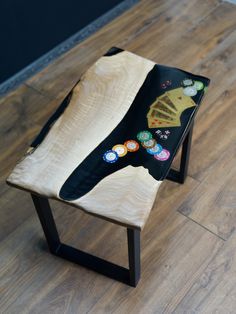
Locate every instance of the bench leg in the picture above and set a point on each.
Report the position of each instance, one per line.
(180, 176)
(128, 276)
(134, 255)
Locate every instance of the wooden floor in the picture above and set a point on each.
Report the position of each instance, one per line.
(189, 242)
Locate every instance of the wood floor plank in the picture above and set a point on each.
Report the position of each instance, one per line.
(176, 33)
(23, 112)
(15, 208)
(214, 146)
(215, 289)
(217, 135)
(212, 204)
(220, 63)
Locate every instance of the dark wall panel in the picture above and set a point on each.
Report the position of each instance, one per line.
(29, 28)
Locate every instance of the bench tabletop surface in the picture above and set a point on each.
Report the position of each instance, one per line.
(111, 142)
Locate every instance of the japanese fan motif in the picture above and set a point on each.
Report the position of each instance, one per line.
(167, 109)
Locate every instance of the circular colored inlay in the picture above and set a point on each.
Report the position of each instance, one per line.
(163, 155)
(144, 136)
(190, 91)
(132, 146)
(187, 82)
(150, 143)
(120, 149)
(198, 85)
(110, 156)
(155, 150)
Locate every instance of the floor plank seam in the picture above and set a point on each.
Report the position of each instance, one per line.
(38, 91)
(193, 178)
(218, 236)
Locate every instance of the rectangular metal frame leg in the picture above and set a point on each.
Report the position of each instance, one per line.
(128, 276)
(133, 237)
(180, 176)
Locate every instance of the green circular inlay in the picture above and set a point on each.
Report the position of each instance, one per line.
(144, 136)
(199, 85)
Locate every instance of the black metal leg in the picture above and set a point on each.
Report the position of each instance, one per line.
(48, 224)
(129, 276)
(186, 148)
(134, 255)
(180, 176)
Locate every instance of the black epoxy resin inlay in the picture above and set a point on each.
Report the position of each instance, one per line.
(113, 51)
(93, 168)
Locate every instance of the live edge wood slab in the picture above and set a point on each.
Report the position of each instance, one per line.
(111, 142)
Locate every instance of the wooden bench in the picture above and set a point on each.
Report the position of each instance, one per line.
(108, 147)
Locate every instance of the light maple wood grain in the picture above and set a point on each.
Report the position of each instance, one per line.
(126, 195)
(87, 121)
